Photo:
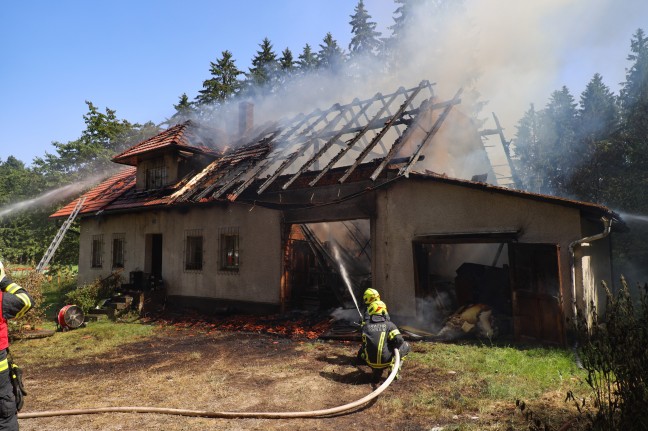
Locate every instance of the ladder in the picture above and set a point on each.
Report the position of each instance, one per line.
(500, 158)
(59, 236)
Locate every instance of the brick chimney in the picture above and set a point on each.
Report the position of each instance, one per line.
(246, 117)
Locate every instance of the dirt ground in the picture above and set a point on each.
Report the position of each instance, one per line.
(219, 371)
(232, 371)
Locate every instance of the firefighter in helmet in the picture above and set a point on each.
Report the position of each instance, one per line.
(370, 295)
(14, 303)
(380, 336)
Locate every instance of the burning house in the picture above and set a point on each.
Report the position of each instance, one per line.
(397, 189)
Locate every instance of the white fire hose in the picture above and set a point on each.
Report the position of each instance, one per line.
(208, 414)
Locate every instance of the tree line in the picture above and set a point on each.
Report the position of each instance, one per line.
(592, 150)
(595, 150)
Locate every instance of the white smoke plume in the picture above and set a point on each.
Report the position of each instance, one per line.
(505, 53)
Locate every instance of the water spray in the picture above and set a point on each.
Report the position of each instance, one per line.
(345, 277)
(51, 196)
(634, 217)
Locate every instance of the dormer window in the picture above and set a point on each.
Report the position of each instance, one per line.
(156, 174)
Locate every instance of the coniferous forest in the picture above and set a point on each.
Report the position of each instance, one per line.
(591, 146)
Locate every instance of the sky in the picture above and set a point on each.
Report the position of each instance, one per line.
(138, 57)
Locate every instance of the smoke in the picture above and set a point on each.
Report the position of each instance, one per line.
(505, 53)
(345, 314)
(51, 197)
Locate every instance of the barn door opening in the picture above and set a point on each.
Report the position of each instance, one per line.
(314, 255)
(537, 293)
(454, 274)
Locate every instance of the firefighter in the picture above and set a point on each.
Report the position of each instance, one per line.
(15, 302)
(380, 336)
(370, 295)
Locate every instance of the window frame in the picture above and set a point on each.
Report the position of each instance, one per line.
(156, 174)
(228, 249)
(194, 250)
(118, 237)
(96, 251)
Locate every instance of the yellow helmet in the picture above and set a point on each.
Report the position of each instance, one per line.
(370, 295)
(377, 307)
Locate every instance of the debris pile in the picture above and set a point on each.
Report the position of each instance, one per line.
(289, 327)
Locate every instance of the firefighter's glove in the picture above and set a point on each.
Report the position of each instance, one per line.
(17, 383)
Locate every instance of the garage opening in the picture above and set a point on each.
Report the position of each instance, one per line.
(314, 258)
(488, 286)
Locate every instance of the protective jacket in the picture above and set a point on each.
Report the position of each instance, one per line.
(380, 337)
(14, 302)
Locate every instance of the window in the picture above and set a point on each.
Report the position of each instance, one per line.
(97, 251)
(118, 251)
(156, 174)
(193, 250)
(229, 249)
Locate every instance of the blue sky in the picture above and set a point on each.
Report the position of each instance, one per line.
(137, 57)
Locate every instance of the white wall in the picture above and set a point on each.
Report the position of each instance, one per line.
(416, 207)
(258, 279)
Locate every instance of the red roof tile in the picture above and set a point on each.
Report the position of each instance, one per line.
(101, 195)
(184, 136)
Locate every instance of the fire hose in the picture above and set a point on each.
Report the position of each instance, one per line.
(231, 415)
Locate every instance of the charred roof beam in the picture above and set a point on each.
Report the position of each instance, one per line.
(328, 144)
(330, 125)
(408, 101)
(405, 170)
(426, 105)
(361, 133)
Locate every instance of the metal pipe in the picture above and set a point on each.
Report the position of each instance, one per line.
(230, 415)
(607, 223)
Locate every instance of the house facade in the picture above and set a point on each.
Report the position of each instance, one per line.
(220, 229)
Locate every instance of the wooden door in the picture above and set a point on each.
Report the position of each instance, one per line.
(536, 293)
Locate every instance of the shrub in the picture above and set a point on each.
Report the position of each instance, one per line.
(31, 281)
(613, 352)
(89, 295)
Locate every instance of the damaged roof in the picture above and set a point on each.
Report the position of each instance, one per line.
(358, 141)
(182, 137)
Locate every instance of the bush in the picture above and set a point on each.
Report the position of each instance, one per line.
(89, 295)
(613, 350)
(31, 281)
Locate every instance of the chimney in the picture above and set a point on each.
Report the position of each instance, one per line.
(246, 117)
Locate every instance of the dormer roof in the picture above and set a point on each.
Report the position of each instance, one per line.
(183, 137)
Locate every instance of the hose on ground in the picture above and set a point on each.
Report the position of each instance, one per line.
(231, 415)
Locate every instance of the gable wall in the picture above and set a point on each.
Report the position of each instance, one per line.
(414, 208)
(171, 170)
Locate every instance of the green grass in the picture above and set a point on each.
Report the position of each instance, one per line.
(504, 372)
(95, 339)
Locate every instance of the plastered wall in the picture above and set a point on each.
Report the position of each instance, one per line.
(258, 279)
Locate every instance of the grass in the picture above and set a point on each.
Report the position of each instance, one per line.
(95, 339)
(481, 378)
(458, 386)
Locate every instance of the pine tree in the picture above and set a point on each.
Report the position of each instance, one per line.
(598, 115)
(184, 110)
(307, 60)
(287, 62)
(365, 40)
(601, 158)
(330, 56)
(558, 137)
(223, 83)
(527, 150)
(264, 66)
(634, 100)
